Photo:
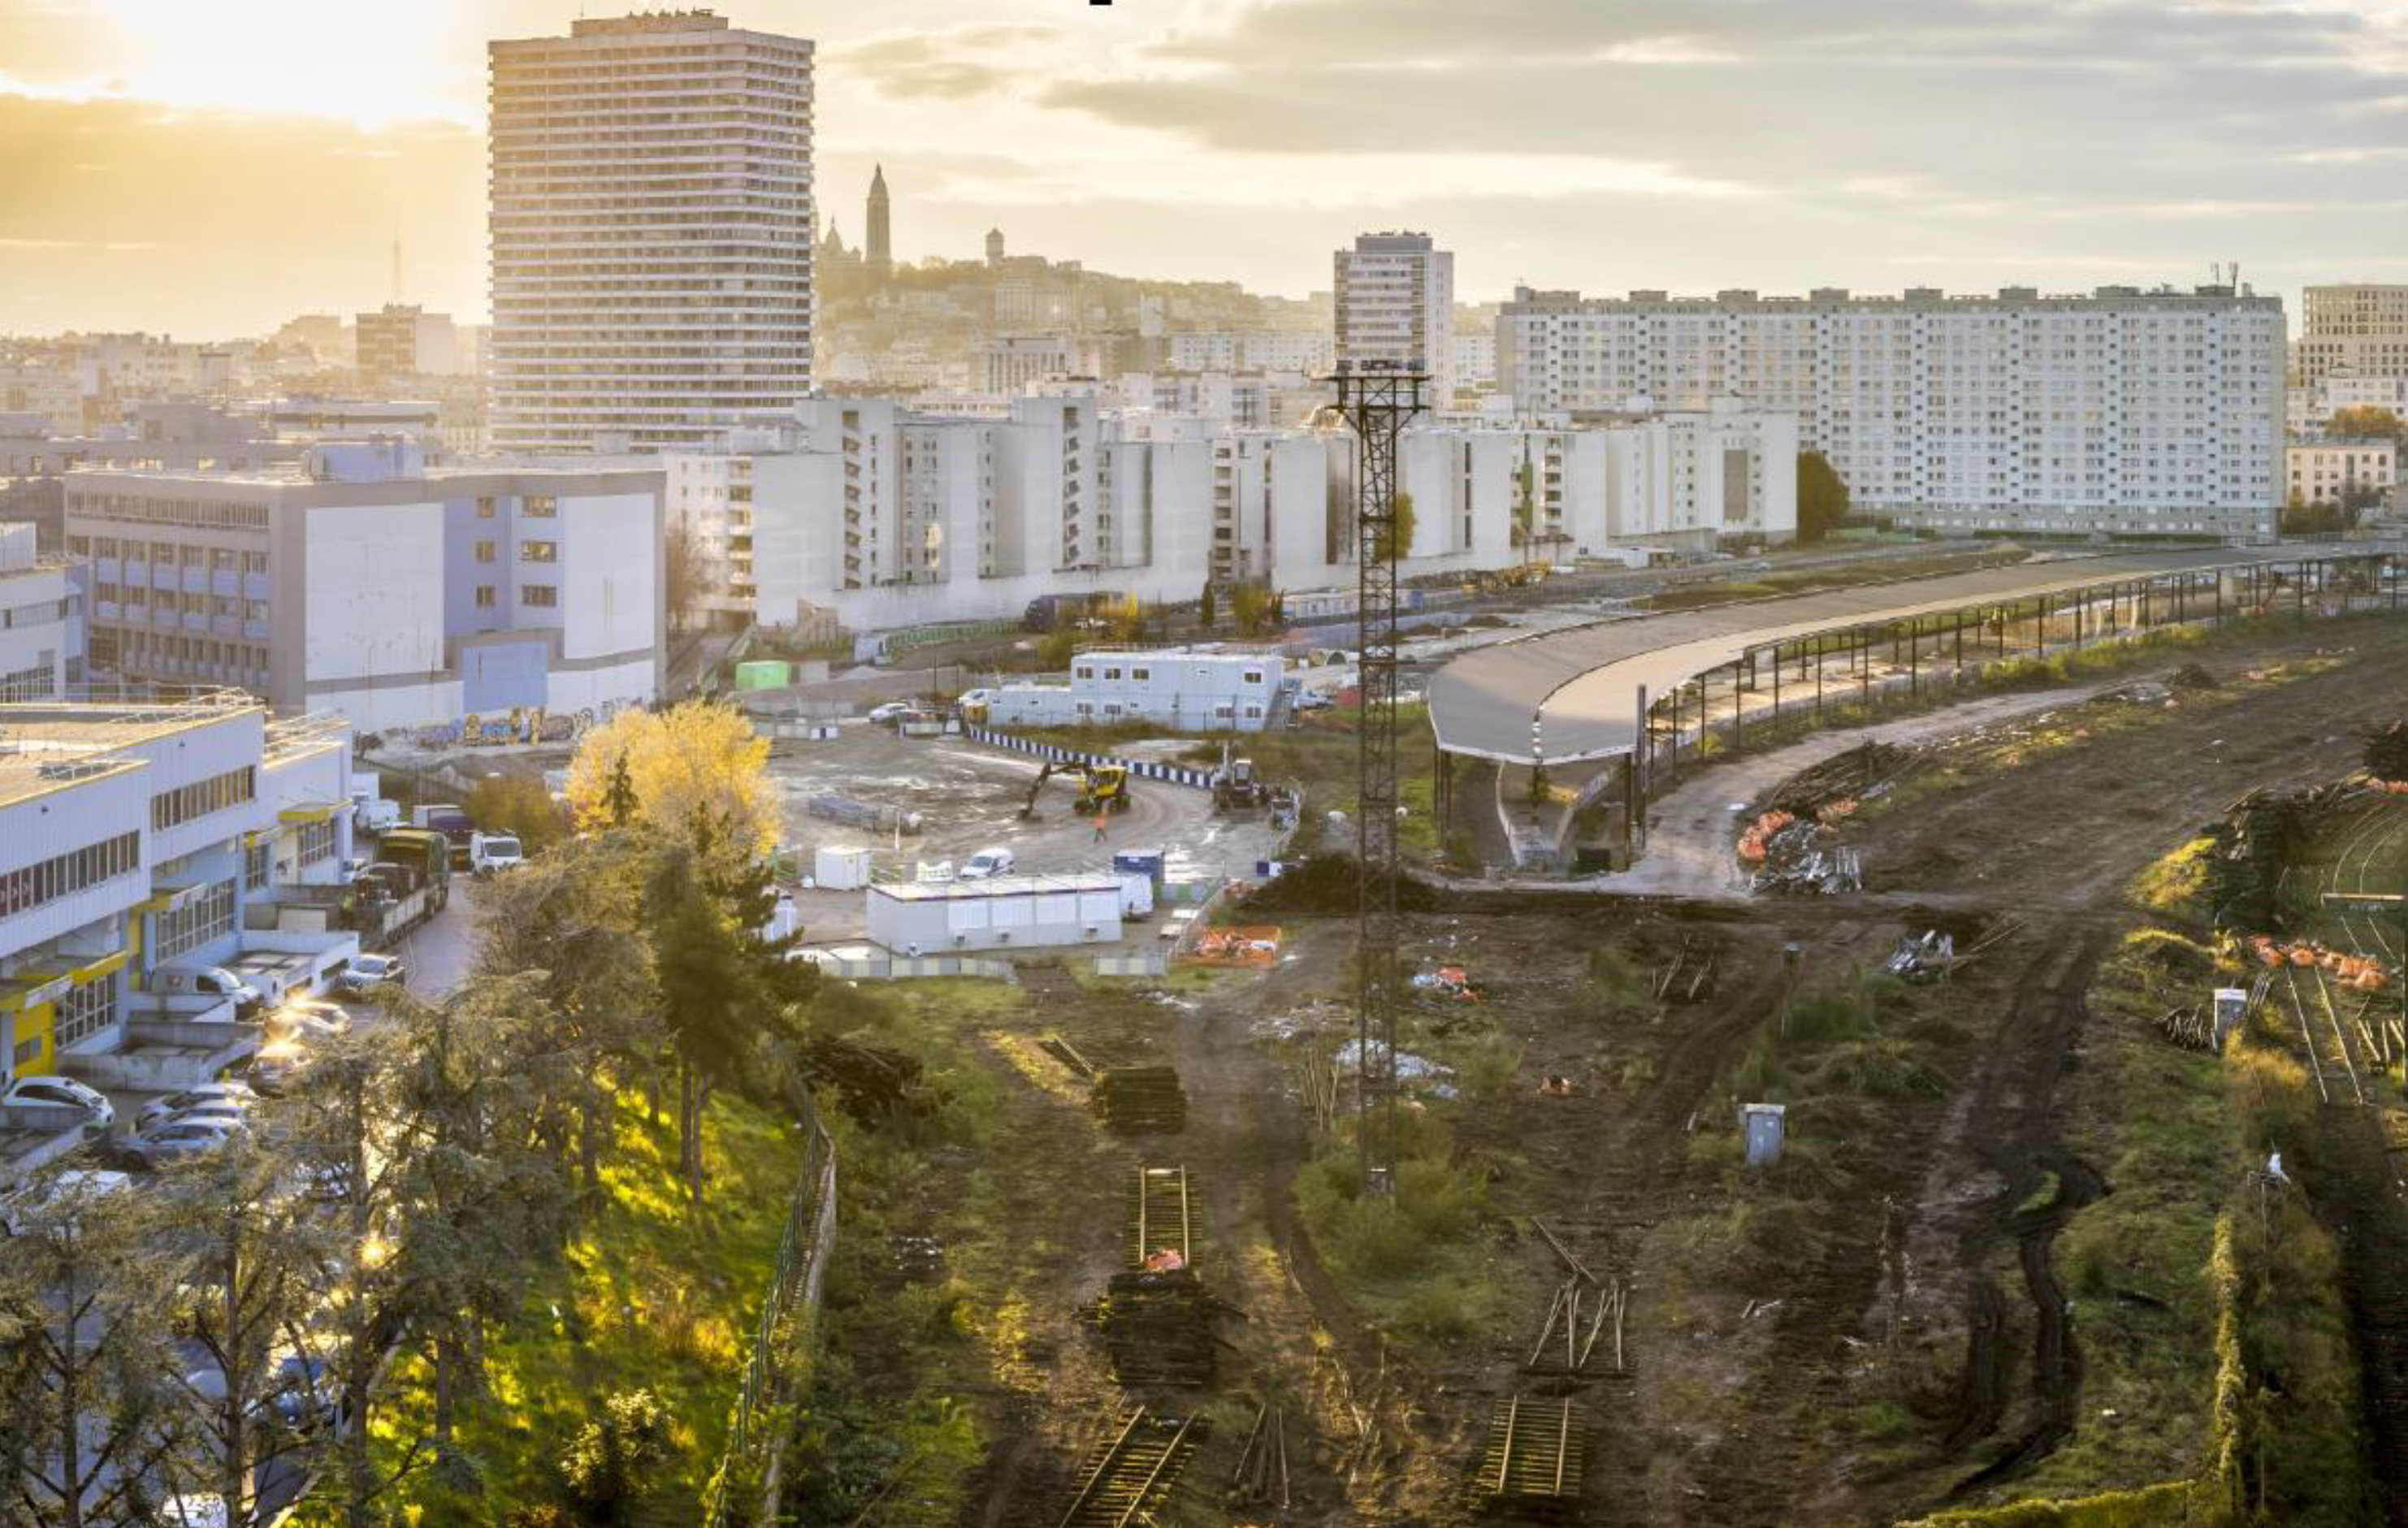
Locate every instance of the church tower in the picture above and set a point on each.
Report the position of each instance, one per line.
(880, 251)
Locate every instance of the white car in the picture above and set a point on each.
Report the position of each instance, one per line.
(979, 696)
(366, 973)
(62, 1092)
(987, 863)
(224, 1111)
(160, 1110)
(894, 710)
(305, 1019)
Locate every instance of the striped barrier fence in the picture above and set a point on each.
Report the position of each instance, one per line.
(1145, 769)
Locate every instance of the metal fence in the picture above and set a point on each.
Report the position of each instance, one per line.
(1149, 769)
(906, 967)
(787, 1309)
(1144, 963)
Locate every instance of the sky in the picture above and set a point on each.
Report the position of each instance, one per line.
(212, 167)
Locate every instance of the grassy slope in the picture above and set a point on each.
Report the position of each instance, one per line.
(649, 1296)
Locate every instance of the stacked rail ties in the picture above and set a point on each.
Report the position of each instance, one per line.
(1130, 1473)
(1141, 1100)
(1156, 1317)
(1537, 1446)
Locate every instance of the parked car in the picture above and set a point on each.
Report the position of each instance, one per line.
(226, 1111)
(181, 1140)
(1314, 700)
(209, 981)
(279, 1061)
(366, 973)
(64, 1093)
(309, 1019)
(204, 1510)
(987, 863)
(893, 711)
(160, 1110)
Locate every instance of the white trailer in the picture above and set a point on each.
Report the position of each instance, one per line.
(1007, 912)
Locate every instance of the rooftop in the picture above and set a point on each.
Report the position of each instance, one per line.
(49, 745)
(957, 891)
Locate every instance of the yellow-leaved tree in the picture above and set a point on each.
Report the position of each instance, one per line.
(698, 763)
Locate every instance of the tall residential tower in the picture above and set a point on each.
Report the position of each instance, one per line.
(652, 230)
(1395, 303)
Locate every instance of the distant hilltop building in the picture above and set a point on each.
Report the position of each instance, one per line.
(880, 246)
(651, 227)
(995, 249)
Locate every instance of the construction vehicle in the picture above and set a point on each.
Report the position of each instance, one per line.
(1236, 787)
(1102, 788)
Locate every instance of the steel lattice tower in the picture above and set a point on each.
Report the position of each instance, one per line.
(1377, 400)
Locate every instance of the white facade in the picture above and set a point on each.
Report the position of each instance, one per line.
(1006, 913)
(2325, 471)
(1184, 690)
(2124, 412)
(41, 620)
(2310, 407)
(133, 838)
(1396, 304)
(1009, 364)
(878, 516)
(365, 582)
(651, 233)
(1313, 354)
(399, 341)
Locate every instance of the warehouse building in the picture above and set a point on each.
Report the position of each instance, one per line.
(1177, 689)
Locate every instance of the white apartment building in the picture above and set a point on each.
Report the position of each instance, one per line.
(148, 365)
(1475, 360)
(44, 391)
(139, 837)
(2358, 328)
(1010, 364)
(361, 580)
(877, 517)
(1312, 354)
(2325, 471)
(41, 620)
(651, 233)
(1252, 400)
(2124, 412)
(1396, 304)
(2308, 409)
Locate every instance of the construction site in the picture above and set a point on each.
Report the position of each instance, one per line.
(1930, 1053)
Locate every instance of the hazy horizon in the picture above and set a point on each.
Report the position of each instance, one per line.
(211, 171)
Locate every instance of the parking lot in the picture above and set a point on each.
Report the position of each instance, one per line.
(968, 797)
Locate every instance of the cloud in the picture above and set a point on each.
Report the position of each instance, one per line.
(945, 65)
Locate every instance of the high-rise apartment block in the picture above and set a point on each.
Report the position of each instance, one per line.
(652, 226)
(400, 341)
(2124, 412)
(1396, 305)
(2359, 330)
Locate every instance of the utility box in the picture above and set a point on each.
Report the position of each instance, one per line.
(841, 869)
(764, 674)
(2231, 1006)
(1762, 1125)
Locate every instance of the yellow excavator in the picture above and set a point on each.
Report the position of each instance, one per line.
(1102, 788)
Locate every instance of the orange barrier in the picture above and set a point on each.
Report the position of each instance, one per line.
(1255, 945)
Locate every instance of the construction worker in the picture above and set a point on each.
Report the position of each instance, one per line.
(1100, 818)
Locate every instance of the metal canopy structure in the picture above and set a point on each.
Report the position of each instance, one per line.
(1575, 697)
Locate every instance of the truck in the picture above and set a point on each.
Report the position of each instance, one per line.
(452, 823)
(371, 812)
(411, 883)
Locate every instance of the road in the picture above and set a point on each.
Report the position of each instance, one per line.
(439, 950)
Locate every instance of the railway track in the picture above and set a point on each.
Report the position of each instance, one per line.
(2374, 841)
(1161, 1218)
(1538, 1447)
(1130, 1475)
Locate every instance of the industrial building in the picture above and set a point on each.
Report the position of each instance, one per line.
(363, 581)
(1014, 912)
(1179, 690)
(144, 839)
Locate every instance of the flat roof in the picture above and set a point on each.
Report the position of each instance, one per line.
(1572, 697)
(954, 891)
(46, 745)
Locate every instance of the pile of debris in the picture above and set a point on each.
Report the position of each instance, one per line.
(1800, 856)
(1934, 956)
(1328, 883)
(876, 816)
(1865, 773)
(1451, 982)
(1157, 1325)
(2386, 752)
(2191, 676)
(2262, 837)
(1141, 1100)
(2356, 971)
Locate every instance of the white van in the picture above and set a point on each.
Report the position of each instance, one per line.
(207, 982)
(488, 852)
(987, 863)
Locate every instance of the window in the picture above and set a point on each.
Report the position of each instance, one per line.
(207, 917)
(215, 794)
(254, 562)
(485, 596)
(1140, 674)
(538, 551)
(1253, 676)
(65, 875)
(486, 551)
(317, 841)
(485, 508)
(254, 864)
(541, 595)
(542, 507)
(85, 1011)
